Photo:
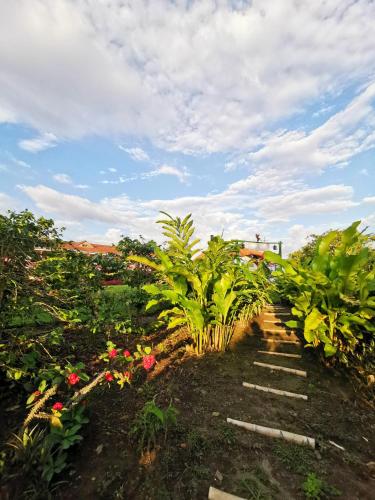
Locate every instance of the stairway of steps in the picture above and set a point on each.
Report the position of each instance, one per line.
(279, 351)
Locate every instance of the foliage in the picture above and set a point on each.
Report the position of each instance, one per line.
(315, 488)
(333, 294)
(41, 452)
(21, 238)
(138, 274)
(150, 422)
(69, 282)
(206, 292)
(111, 266)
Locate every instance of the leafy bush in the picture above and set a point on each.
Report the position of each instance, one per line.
(207, 292)
(333, 294)
(138, 274)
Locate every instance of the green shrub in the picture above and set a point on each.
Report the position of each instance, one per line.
(207, 292)
(333, 294)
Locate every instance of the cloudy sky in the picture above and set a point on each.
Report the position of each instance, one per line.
(256, 116)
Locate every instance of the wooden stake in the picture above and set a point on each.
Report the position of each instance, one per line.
(284, 354)
(301, 373)
(281, 341)
(275, 391)
(276, 433)
(215, 494)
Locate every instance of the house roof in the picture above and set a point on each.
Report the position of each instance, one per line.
(249, 252)
(90, 248)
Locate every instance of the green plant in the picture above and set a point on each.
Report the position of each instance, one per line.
(332, 294)
(150, 422)
(206, 292)
(315, 488)
(23, 238)
(295, 458)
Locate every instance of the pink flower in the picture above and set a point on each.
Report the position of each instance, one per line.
(127, 375)
(113, 353)
(57, 406)
(148, 361)
(127, 354)
(108, 376)
(73, 379)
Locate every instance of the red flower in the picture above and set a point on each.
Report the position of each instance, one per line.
(57, 406)
(37, 393)
(113, 353)
(148, 361)
(127, 354)
(73, 379)
(127, 375)
(108, 376)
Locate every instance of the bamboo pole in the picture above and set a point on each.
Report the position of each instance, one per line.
(283, 354)
(276, 433)
(301, 373)
(275, 391)
(276, 313)
(281, 341)
(279, 330)
(215, 494)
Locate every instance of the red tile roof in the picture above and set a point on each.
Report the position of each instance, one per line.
(248, 252)
(91, 248)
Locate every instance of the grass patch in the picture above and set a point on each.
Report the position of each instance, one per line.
(295, 458)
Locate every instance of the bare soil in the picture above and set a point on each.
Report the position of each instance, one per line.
(204, 450)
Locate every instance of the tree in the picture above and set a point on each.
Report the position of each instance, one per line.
(137, 274)
(23, 240)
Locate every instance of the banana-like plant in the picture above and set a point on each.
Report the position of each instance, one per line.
(206, 292)
(333, 294)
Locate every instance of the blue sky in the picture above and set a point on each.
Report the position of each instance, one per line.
(257, 117)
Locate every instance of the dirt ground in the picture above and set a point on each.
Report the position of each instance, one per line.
(204, 450)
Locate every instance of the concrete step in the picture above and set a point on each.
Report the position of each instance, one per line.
(279, 335)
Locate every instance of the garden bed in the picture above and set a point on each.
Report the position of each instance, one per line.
(203, 450)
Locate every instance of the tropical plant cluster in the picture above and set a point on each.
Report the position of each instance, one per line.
(331, 287)
(207, 292)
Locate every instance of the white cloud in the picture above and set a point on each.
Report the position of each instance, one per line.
(137, 153)
(236, 212)
(369, 200)
(18, 162)
(7, 203)
(44, 141)
(313, 201)
(63, 178)
(66, 179)
(201, 76)
(181, 174)
(344, 135)
(112, 170)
